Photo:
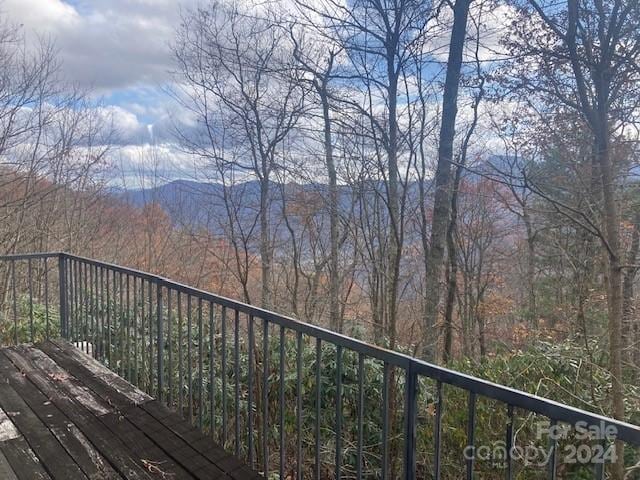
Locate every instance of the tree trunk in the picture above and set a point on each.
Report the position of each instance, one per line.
(395, 244)
(334, 280)
(482, 338)
(451, 273)
(627, 293)
(614, 297)
(441, 204)
(265, 248)
(452, 270)
(532, 314)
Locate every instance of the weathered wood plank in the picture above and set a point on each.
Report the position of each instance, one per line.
(116, 382)
(176, 441)
(87, 378)
(44, 444)
(16, 454)
(22, 460)
(196, 440)
(146, 453)
(105, 470)
(8, 430)
(181, 451)
(73, 441)
(6, 472)
(109, 428)
(59, 376)
(109, 445)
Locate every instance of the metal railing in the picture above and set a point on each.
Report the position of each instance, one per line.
(293, 399)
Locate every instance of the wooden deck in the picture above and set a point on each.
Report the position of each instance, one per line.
(65, 416)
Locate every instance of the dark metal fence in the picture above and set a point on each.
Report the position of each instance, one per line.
(296, 400)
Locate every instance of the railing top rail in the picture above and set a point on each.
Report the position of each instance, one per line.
(27, 256)
(557, 411)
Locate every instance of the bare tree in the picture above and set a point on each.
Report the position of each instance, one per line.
(321, 73)
(584, 55)
(233, 65)
(378, 38)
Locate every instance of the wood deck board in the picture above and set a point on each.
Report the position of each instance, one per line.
(66, 416)
(42, 441)
(68, 435)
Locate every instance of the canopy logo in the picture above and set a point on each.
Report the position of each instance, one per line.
(580, 443)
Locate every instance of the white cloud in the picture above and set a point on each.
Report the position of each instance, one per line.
(104, 44)
(46, 15)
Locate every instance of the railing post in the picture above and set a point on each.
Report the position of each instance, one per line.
(410, 423)
(62, 283)
(161, 344)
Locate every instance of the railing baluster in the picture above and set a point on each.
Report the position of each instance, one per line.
(598, 468)
(15, 302)
(99, 314)
(63, 289)
(236, 379)
(102, 311)
(87, 307)
(318, 399)
(200, 366)
(410, 413)
(136, 374)
(471, 429)
(109, 360)
(128, 321)
(79, 308)
(144, 377)
(96, 312)
(509, 441)
(224, 376)
(94, 309)
(46, 298)
(77, 320)
(160, 345)
(338, 412)
(360, 440)
(30, 286)
(180, 358)
(121, 325)
(189, 360)
(299, 464)
(93, 292)
(69, 311)
(281, 403)
(265, 396)
(553, 444)
(212, 371)
(80, 304)
(437, 432)
(170, 347)
(385, 421)
(72, 300)
(252, 348)
(151, 354)
(71, 282)
(115, 322)
(87, 293)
